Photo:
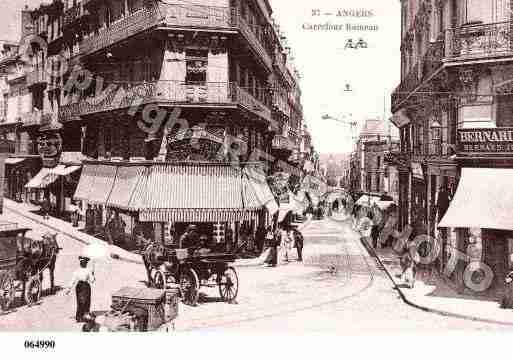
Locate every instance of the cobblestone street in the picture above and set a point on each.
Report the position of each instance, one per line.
(339, 288)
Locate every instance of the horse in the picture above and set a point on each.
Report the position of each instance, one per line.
(34, 256)
(153, 256)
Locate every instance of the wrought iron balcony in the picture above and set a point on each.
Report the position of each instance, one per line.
(123, 95)
(38, 76)
(245, 99)
(479, 41)
(254, 36)
(131, 25)
(281, 142)
(280, 103)
(174, 15)
(200, 16)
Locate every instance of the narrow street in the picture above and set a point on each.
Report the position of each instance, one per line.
(339, 288)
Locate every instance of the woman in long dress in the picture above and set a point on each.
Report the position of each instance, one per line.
(81, 280)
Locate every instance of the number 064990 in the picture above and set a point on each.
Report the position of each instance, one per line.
(39, 344)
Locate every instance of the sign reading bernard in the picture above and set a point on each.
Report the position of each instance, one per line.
(486, 140)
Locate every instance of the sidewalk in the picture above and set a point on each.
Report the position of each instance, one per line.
(63, 227)
(433, 294)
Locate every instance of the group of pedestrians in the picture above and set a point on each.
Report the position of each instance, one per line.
(281, 242)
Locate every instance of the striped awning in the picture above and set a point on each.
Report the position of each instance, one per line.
(95, 183)
(42, 179)
(13, 160)
(258, 181)
(128, 186)
(198, 193)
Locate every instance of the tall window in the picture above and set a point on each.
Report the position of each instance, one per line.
(196, 67)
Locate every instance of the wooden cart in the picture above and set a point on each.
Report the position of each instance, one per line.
(142, 309)
(10, 280)
(192, 269)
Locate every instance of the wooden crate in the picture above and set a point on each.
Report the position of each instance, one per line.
(142, 302)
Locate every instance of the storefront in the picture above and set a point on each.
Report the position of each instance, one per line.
(225, 201)
(19, 170)
(479, 217)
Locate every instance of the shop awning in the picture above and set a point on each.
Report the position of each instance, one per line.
(65, 171)
(258, 180)
(42, 179)
(95, 183)
(124, 194)
(197, 193)
(13, 161)
(484, 199)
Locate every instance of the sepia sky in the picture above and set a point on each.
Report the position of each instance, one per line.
(320, 56)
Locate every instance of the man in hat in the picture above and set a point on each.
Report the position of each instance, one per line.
(190, 238)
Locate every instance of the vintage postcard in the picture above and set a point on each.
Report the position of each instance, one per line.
(190, 166)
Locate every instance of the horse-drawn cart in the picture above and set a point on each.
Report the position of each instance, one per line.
(22, 261)
(191, 269)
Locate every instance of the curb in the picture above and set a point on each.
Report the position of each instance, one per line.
(425, 308)
(115, 256)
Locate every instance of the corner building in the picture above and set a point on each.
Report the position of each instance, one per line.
(456, 78)
(221, 65)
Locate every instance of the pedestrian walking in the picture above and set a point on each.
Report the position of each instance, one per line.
(507, 299)
(272, 242)
(46, 208)
(364, 225)
(298, 243)
(82, 280)
(286, 243)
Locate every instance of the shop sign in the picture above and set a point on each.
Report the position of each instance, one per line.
(416, 169)
(486, 140)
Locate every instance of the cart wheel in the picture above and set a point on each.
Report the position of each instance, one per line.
(7, 291)
(229, 284)
(33, 290)
(189, 286)
(159, 280)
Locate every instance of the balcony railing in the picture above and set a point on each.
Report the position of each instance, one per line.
(197, 16)
(251, 34)
(281, 104)
(281, 142)
(479, 40)
(121, 30)
(38, 76)
(245, 99)
(124, 95)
